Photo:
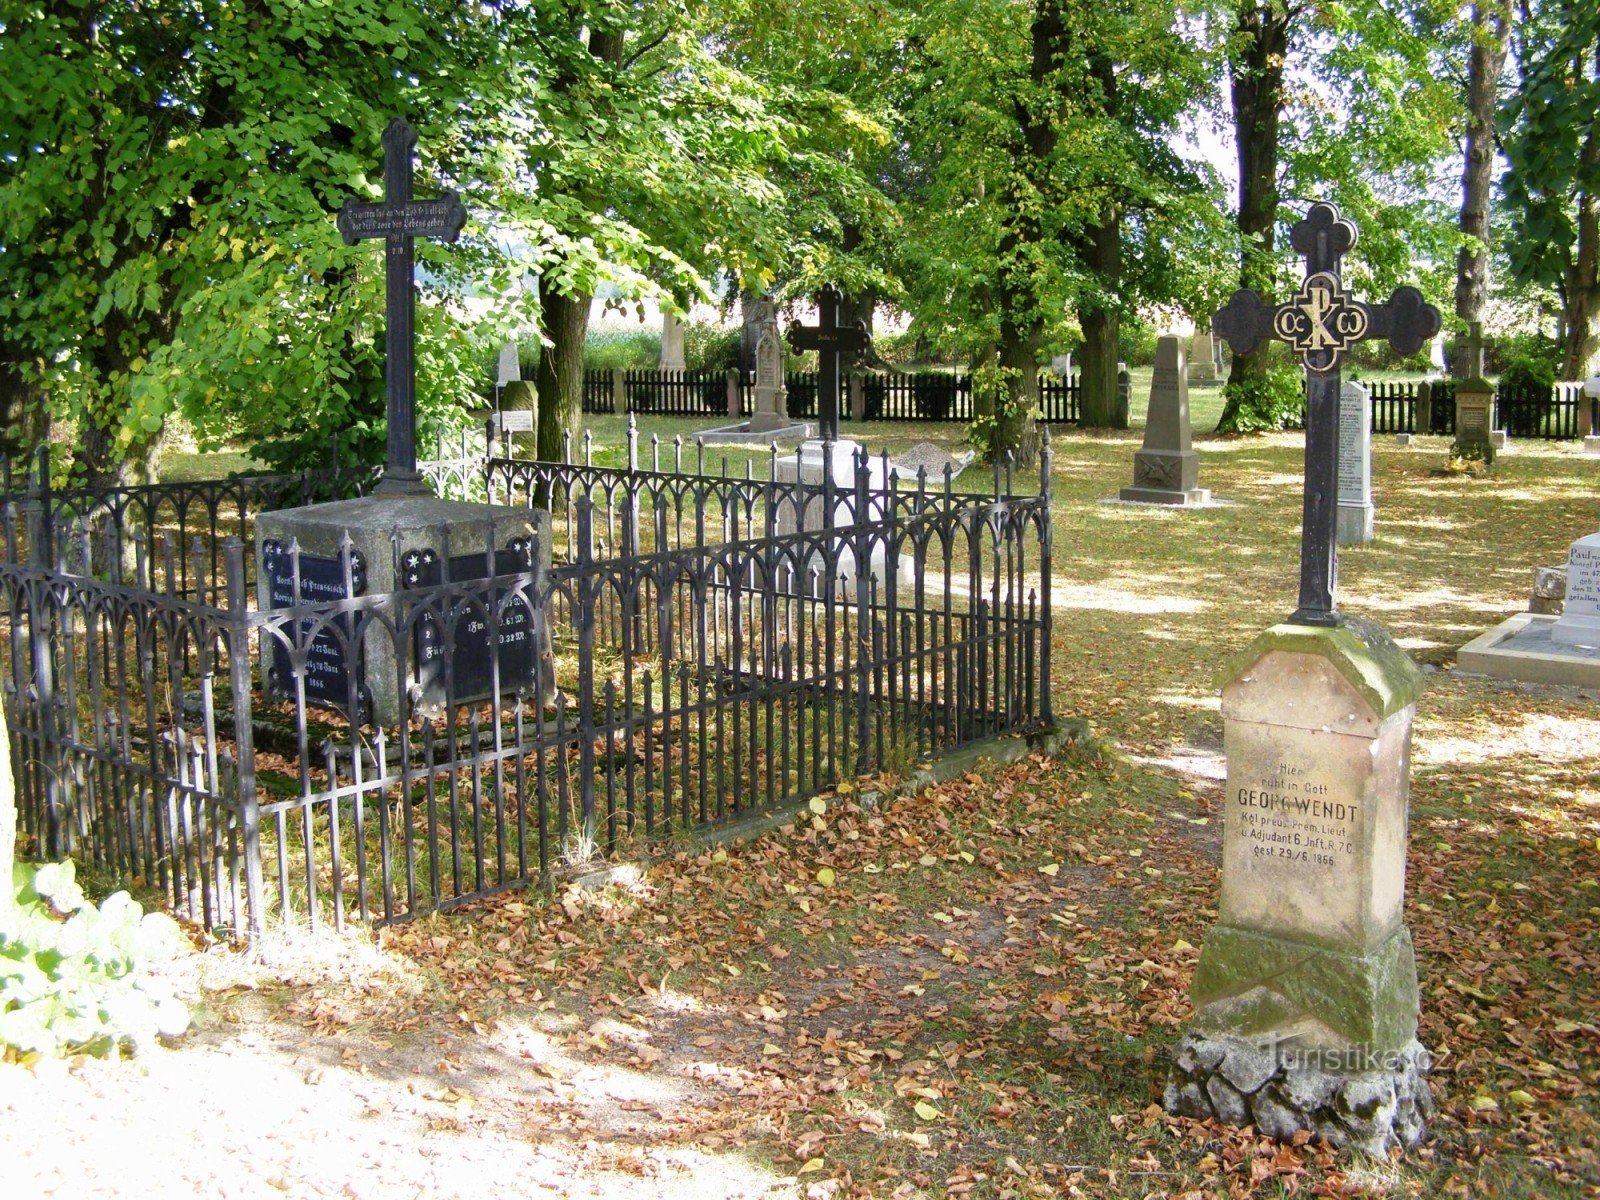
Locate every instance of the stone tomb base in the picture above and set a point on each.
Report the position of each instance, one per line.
(756, 430)
(1357, 524)
(399, 543)
(1165, 477)
(1522, 649)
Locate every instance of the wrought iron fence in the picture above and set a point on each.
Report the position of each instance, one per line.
(702, 647)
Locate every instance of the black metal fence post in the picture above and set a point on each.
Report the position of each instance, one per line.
(1046, 544)
(862, 540)
(584, 599)
(239, 667)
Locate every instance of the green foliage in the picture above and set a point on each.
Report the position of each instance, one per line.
(1136, 342)
(708, 347)
(1001, 413)
(621, 349)
(1274, 400)
(1526, 375)
(74, 978)
(1541, 353)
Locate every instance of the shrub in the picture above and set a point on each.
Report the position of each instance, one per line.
(74, 978)
(1525, 376)
(710, 347)
(1276, 400)
(621, 349)
(1503, 352)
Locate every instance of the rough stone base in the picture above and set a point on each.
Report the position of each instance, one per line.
(1356, 524)
(1256, 1082)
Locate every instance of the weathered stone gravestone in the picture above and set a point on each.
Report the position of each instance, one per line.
(1474, 406)
(1306, 991)
(1549, 596)
(1061, 365)
(1204, 365)
(351, 548)
(769, 395)
(769, 420)
(1355, 465)
(1167, 469)
(1579, 623)
(672, 357)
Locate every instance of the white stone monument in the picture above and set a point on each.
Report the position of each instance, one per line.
(1355, 465)
(1591, 393)
(806, 510)
(671, 341)
(1579, 623)
(769, 396)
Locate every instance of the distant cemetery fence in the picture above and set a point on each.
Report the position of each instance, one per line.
(712, 653)
(875, 396)
(1428, 407)
(932, 396)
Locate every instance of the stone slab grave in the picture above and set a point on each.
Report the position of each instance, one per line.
(1167, 469)
(400, 536)
(1306, 995)
(1355, 465)
(769, 421)
(1542, 648)
(936, 461)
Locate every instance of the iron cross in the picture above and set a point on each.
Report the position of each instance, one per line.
(399, 219)
(1321, 322)
(833, 343)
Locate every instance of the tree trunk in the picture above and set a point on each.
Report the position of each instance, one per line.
(1487, 59)
(1255, 76)
(1581, 357)
(560, 378)
(1101, 323)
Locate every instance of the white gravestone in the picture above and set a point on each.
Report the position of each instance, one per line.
(1579, 623)
(797, 512)
(771, 408)
(1355, 465)
(510, 365)
(671, 341)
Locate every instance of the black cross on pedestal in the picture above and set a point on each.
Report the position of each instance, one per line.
(399, 219)
(834, 343)
(1321, 322)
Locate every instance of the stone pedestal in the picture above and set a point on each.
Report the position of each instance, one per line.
(1474, 404)
(1579, 624)
(1356, 512)
(1306, 991)
(395, 544)
(1167, 470)
(811, 464)
(1591, 444)
(1549, 596)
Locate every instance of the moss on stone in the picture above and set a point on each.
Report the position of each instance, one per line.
(1362, 651)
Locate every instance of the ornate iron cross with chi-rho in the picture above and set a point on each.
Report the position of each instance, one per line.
(1322, 321)
(834, 344)
(399, 220)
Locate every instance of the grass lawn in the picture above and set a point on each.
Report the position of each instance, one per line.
(970, 992)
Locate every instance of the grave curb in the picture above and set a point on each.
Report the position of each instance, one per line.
(1065, 735)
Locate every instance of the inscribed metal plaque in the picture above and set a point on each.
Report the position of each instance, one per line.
(469, 614)
(329, 680)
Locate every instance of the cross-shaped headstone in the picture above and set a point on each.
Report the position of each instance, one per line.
(835, 344)
(1321, 322)
(399, 219)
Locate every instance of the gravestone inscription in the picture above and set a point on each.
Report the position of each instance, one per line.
(1579, 624)
(329, 679)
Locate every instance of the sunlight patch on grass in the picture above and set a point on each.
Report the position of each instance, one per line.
(1537, 737)
(1120, 596)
